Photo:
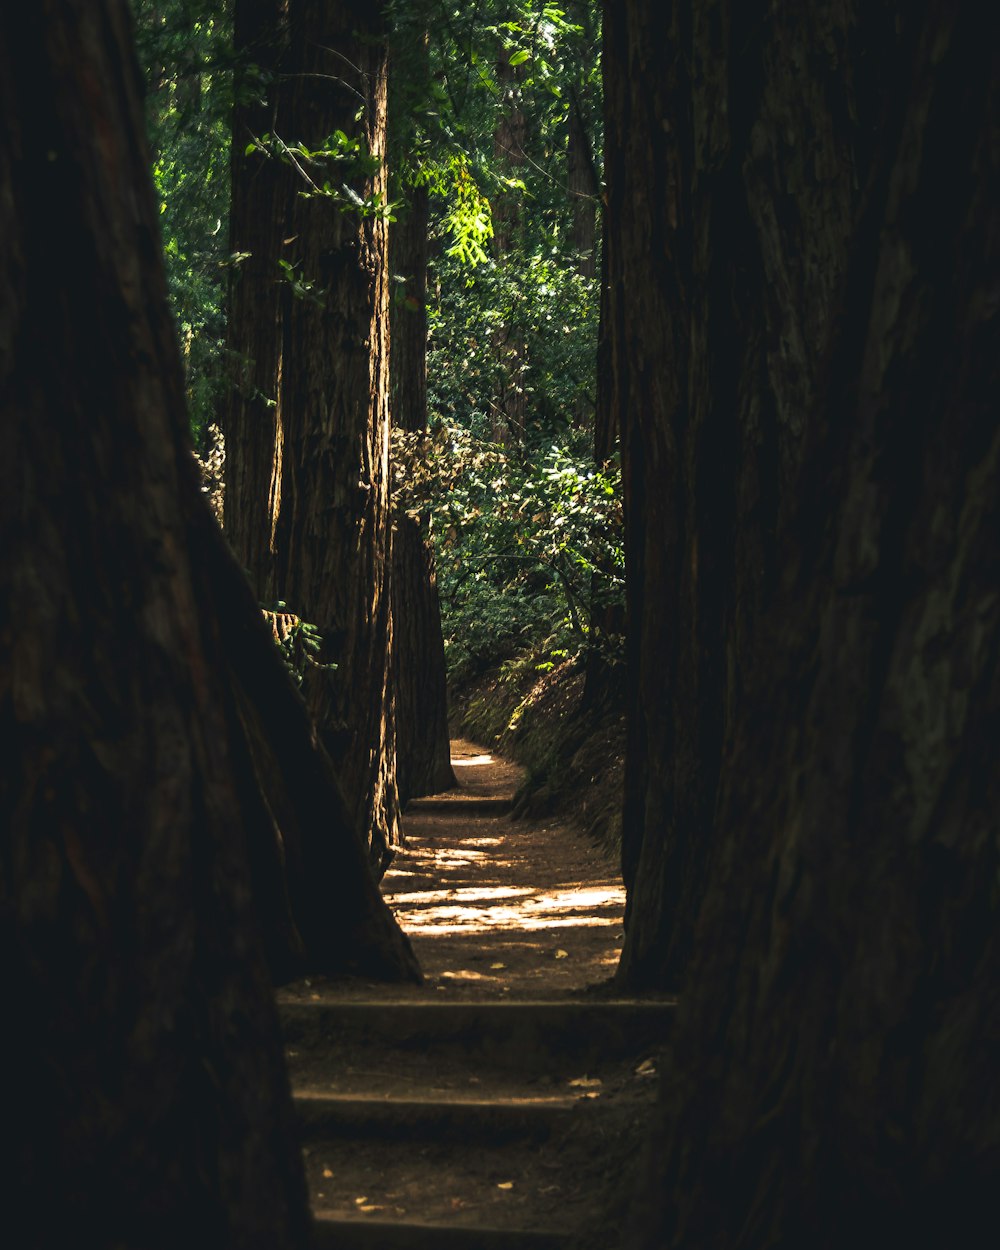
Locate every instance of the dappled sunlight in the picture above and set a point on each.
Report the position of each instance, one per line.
(445, 920)
(487, 907)
(495, 905)
(468, 894)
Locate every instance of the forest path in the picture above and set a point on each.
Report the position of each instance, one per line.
(496, 906)
(481, 1109)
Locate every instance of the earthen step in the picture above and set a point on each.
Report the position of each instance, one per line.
(530, 1035)
(460, 805)
(482, 1184)
(331, 1115)
(362, 1234)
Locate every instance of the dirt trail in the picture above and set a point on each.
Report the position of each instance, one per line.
(481, 1108)
(478, 890)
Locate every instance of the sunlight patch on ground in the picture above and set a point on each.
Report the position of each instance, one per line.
(471, 759)
(464, 894)
(452, 910)
(463, 920)
(612, 895)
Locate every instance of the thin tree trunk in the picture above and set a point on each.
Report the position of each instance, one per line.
(423, 749)
(256, 296)
(583, 190)
(508, 143)
(604, 681)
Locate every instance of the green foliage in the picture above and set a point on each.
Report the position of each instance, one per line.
(523, 319)
(340, 159)
(299, 642)
(536, 300)
(528, 533)
(184, 46)
(529, 542)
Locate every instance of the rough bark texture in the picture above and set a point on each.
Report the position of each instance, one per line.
(317, 536)
(147, 1099)
(423, 747)
(832, 1079)
(739, 150)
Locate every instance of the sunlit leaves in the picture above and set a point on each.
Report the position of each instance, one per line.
(468, 218)
(529, 540)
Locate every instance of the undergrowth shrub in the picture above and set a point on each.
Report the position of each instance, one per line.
(528, 543)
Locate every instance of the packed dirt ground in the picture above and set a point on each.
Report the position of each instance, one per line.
(506, 1094)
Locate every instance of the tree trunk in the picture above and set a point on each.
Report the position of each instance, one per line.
(583, 190)
(823, 205)
(423, 748)
(509, 139)
(583, 180)
(148, 1102)
(256, 298)
(603, 684)
(732, 195)
(317, 535)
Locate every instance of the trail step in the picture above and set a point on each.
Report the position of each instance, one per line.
(454, 1121)
(460, 805)
(364, 1234)
(334, 1115)
(485, 1184)
(527, 1033)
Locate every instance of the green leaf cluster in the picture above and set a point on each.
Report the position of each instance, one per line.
(185, 49)
(528, 539)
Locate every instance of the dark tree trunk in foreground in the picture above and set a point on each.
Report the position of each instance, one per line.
(142, 1049)
(832, 1079)
(732, 197)
(423, 749)
(148, 1104)
(316, 535)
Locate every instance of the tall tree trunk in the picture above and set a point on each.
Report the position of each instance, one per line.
(423, 749)
(256, 297)
(318, 536)
(832, 1078)
(731, 206)
(603, 683)
(147, 1094)
(583, 189)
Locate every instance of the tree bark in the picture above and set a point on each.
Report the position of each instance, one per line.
(583, 181)
(832, 1077)
(318, 536)
(256, 297)
(604, 681)
(732, 196)
(423, 747)
(148, 1101)
(509, 141)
